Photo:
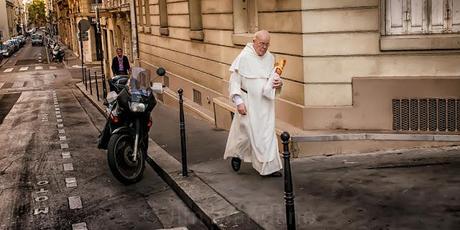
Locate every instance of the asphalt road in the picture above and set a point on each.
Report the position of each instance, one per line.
(52, 176)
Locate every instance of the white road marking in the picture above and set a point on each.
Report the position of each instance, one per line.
(59, 120)
(66, 155)
(42, 182)
(61, 131)
(53, 67)
(79, 226)
(62, 138)
(41, 198)
(68, 167)
(41, 211)
(70, 182)
(42, 191)
(24, 68)
(60, 125)
(18, 84)
(38, 67)
(75, 202)
(57, 109)
(58, 112)
(64, 146)
(1, 84)
(58, 116)
(8, 70)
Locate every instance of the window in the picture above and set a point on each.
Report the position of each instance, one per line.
(245, 21)
(245, 16)
(147, 16)
(196, 24)
(163, 7)
(420, 25)
(140, 16)
(422, 16)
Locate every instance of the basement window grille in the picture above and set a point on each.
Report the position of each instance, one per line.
(426, 114)
(197, 97)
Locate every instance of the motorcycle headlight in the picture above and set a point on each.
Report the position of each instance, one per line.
(137, 107)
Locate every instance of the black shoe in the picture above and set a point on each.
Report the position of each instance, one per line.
(236, 164)
(275, 174)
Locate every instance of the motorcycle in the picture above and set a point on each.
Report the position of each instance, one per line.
(58, 54)
(125, 135)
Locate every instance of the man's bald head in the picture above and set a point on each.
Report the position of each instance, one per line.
(262, 35)
(261, 42)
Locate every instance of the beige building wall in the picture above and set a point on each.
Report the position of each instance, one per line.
(201, 66)
(353, 70)
(342, 69)
(3, 21)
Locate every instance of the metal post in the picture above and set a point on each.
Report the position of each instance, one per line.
(81, 52)
(90, 87)
(288, 191)
(183, 143)
(104, 86)
(86, 79)
(97, 86)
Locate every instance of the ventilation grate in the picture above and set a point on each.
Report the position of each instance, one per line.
(396, 114)
(166, 81)
(414, 114)
(197, 97)
(432, 114)
(442, 107)
(405, 114)
(451, 115)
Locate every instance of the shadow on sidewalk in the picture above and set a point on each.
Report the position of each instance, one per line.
(204, 142)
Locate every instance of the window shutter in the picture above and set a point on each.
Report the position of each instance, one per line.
(396, 16)
(455, 12)
(438, 14)
(417, 16)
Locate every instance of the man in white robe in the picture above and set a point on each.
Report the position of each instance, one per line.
(252, 135)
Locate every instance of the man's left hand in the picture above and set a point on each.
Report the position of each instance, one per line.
(277, 83)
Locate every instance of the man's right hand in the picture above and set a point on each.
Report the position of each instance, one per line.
(241, 109)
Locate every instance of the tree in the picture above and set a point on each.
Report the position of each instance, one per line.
(36, 10)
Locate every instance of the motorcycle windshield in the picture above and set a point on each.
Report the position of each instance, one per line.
(139, 82)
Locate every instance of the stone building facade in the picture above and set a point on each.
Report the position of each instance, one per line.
(386, 65)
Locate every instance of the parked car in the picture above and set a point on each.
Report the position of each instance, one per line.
(15, 43)
(7, 49)
(37, 39)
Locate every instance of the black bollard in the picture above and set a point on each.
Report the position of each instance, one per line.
(183, 143)
(288, 191)
(90, 86)
(86, 80)
(97, 87)
(104, 86)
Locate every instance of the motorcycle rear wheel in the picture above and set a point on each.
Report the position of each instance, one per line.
(119, 156)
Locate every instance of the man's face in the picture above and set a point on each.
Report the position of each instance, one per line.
(120, 53)
(261, 45)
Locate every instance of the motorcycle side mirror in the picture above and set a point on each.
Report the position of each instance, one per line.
(157, 88)
(161, 71)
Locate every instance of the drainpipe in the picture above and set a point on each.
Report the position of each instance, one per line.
(134, 38)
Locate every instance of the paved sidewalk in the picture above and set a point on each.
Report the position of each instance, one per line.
(412, 189)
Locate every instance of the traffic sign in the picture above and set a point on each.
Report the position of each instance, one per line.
(84, 25)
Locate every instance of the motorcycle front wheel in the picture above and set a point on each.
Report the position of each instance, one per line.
(121, 162)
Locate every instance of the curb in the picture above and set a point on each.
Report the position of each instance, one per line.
(378, 137)
(209, 206)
